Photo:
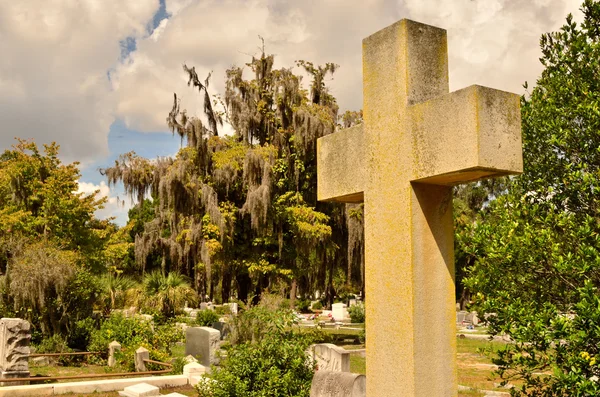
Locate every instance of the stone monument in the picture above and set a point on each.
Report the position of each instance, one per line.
(15, 335)
(416, 142)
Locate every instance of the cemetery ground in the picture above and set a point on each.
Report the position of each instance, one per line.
(474, 368)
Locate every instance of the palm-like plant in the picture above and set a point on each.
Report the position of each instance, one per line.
(114, 287)
(167, 293)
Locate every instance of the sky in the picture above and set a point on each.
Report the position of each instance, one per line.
(98, 76)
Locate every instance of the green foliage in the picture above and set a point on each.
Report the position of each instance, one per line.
(303, 305)
(357, 313)
(276, 363)
(206, 318)
(167, 293)
(133, 333)
(534, 251)
(317, 305)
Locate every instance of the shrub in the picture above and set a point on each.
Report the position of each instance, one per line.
(55, 344)
(133, 333)
(206, 318)
(357, 313)
(303, 306)
(276, 362)
(317, 306)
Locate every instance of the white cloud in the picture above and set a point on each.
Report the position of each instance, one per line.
(115, 206)
(53, 69)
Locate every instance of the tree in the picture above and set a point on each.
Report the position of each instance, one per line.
(240, 212)
(536, 265)
(50, 242)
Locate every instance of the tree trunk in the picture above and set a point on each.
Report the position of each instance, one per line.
(293, 292)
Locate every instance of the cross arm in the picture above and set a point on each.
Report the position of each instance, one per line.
(340, 166)
(467, 135)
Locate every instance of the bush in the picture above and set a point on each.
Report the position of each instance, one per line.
(276, 362)
(133, 333)
(80, 335)
(222, 310)
(317, 306)
(206, 318)
(303, 306)
(357, 313)
(56, 344)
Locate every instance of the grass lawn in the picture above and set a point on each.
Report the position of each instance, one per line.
(474, 368)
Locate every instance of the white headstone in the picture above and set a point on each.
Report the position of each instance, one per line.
(339, 312)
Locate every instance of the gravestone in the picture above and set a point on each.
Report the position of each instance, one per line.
(15, 335)
(203, 343)
(330, 357)
(416, 142)
(141, 354)
(337, 384)
(113, 347)
(339, 311)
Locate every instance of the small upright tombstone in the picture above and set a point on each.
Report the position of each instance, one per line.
(330, 357)
(339, 312)
(338, 384)
(141, 354)
(113, 347)
(233, 307)
(15, 335)
(203, 343)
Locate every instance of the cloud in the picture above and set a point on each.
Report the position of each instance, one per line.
(53, 69)
(491, 42)
(115, 206)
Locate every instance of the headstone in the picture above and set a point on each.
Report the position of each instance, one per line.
(203, 343)
(222, 327)
(330, 357)
(206, 306)
(338, 384)
(461, 316)
(233, 307)
(416, 142)
(351, 302)
(140, 390)
(113, 347)
(141, 354)
(475, 320)
(339, 311)
(15, 336)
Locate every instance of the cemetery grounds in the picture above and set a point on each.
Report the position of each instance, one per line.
(474, 368)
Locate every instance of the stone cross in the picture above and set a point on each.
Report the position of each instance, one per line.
(416, 142)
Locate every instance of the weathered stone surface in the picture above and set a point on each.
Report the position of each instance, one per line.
(15, 335)
(113, 347)
(203, 343)
(416, 142)
(141, 354)
(338, 384)
(330, 357)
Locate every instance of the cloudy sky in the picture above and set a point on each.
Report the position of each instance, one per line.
(98, 76)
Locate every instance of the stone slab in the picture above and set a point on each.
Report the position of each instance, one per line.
(338, 384)
(26, 391)
(106, 385)
(140, 390)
